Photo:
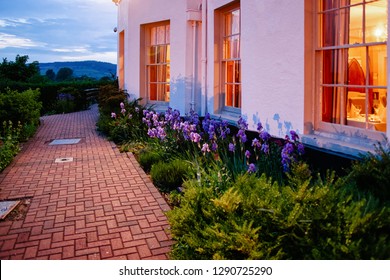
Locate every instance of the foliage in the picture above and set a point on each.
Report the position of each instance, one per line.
(20, 107)
(9, 145)
(147, 157)
(372, 173)
(19, 70)
(169, 176)
(50, 74)
(255, 218)
(64, 74)
(109, 98)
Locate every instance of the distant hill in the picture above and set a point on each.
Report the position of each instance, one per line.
(90, 68)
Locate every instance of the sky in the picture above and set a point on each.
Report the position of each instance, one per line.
(58, 30)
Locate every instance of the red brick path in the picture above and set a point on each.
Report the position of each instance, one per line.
(100, 206)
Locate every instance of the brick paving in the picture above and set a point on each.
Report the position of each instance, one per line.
(101, 205)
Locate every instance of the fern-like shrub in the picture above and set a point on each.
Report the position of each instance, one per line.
(372, 173)
(168, 176)
(256, 218)
(148, 157)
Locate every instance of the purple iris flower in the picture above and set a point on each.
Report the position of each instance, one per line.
(256, 143)
(205, 148)
(264, 135)
(252, 168)
(294, 135)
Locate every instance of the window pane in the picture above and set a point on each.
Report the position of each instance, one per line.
(152, 55)
(153, 33)
(357, 67)
(161, 54)
(237, 72)
(236, 22)
(332, 104)
(168, 50)
(335, 27)
(229, 72)
(374, 118)
(356, 103)
(161, 71)
(379, 109)
(237, 96)
(153, 92)
(160, 35)
(334, 64)
(167, 34)
(228, 24)
(377, 57)
(231, 47)
(376, 21)
(152, 74)
(229, 95)
(356, 25)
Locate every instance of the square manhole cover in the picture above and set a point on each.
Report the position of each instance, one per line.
(63, 159)
(6, 207)
(65, 141)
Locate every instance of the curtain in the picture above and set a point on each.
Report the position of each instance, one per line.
(335, 62)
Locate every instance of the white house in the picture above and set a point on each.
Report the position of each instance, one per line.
(316, 66)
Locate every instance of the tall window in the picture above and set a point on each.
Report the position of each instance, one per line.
(158, 63)
(231, 62)
(352, 62)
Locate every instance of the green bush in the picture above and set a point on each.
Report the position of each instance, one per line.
(109, 98)
(372, 173)
(9, 145)
(255, 218)
(168, 176)
(148, 157)
(49, 91)
(22, 107)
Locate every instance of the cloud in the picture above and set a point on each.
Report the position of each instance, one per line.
(71, 50)
(57, 30)
(12, 41)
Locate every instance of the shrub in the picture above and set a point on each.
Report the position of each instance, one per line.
(148, 157)
(372, 173)
(255, 218)
(109, 98)
(22, 107)
(168, 176)
(9, 145)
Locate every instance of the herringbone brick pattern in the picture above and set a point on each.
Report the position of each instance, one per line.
(99, 206)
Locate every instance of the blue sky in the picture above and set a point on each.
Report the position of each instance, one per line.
(58, 30)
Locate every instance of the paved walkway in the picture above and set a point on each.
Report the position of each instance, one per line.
(99, 206)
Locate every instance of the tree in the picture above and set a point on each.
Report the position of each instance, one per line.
(19, 70)
(50, 74)
(64, 74)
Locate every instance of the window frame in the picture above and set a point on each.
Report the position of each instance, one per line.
(147, 64)
(221, 72)
(343, 128)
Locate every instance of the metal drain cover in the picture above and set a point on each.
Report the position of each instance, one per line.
(7, 206)
(63, 159)
(65, 141)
